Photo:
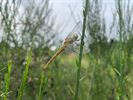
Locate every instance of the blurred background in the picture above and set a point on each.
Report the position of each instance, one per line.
(42, 26)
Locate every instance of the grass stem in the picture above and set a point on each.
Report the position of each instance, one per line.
(81, 51)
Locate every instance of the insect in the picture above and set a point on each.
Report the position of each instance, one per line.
(68, 41)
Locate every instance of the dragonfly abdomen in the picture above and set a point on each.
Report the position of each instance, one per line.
(55, 55)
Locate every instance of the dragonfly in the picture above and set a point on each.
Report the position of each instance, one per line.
(69, 40)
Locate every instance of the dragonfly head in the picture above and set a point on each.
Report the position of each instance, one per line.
(75, 36)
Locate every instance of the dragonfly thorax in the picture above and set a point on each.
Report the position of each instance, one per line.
(70, 40)
(75, 37)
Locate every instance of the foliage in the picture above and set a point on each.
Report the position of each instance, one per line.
(104, 74)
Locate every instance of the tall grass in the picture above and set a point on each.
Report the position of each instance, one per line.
(121, 67)
(7, 80)
(25, 76)
(103, 74)
(81, 50)
(40, 93)
(121, 30)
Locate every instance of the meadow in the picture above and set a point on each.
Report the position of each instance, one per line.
(103, 73)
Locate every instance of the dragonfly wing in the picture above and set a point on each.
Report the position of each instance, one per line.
(76, 30)
(75, 48)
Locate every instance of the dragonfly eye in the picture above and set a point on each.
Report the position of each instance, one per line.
(75, 36)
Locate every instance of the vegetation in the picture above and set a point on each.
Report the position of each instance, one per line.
(27, 34)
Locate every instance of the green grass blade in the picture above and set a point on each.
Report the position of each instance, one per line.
(41, 87)
(25, 75)
(81, 51)
(7, 80)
